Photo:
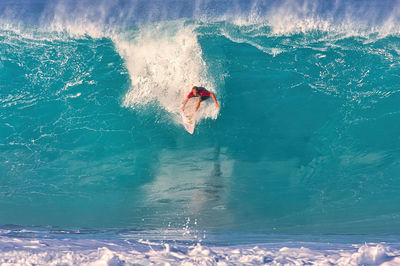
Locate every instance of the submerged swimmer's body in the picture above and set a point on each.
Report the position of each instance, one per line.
(203, 94)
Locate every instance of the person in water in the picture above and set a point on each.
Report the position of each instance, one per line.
(203, 94)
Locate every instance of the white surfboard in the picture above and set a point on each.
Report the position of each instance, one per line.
(189, 122)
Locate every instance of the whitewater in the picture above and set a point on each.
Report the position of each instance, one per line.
(299, 165)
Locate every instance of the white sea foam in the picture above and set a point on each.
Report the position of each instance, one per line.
(47, 251)
(291, 17)
(164, 62)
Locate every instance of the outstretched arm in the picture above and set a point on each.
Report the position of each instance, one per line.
(184, 104)
(215, 100)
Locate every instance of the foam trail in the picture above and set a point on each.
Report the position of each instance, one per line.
(164, 62)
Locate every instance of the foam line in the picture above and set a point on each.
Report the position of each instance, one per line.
(107, 252)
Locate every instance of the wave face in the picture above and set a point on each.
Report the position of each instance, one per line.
(306, 140)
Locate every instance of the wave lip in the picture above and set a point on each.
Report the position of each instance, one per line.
(283, 16)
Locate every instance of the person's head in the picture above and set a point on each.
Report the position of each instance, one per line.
(194, 90)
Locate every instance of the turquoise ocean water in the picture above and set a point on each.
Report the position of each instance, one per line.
(305, 146)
